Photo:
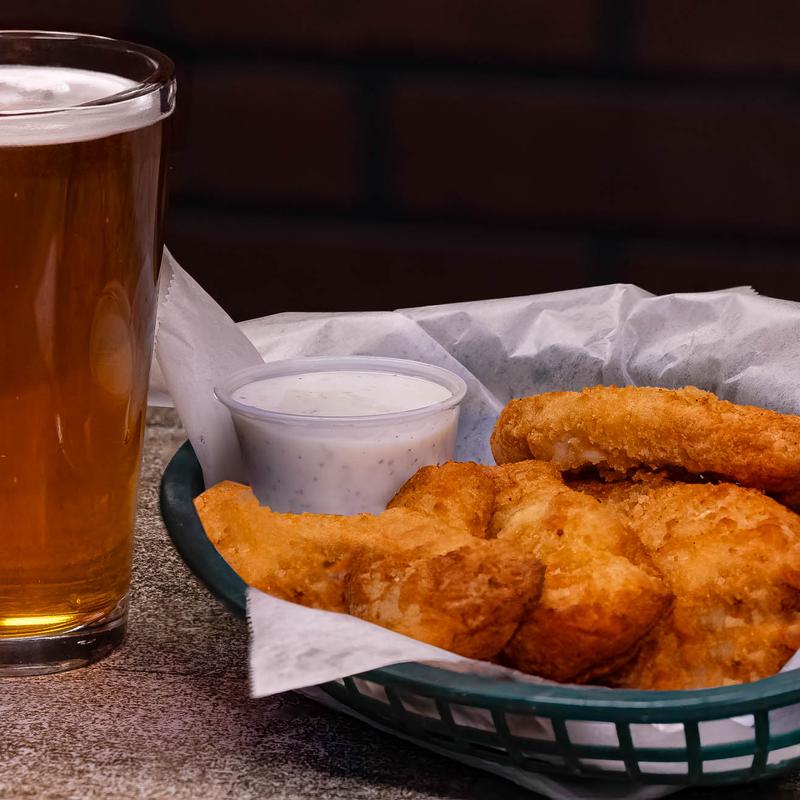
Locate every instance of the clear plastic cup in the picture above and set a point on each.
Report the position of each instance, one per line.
(340, 464)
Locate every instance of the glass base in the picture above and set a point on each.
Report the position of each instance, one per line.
(42, 655)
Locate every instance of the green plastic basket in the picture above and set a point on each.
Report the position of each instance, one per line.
(479, 719)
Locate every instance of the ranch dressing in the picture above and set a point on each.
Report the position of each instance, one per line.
(341, 441)
(344, 393)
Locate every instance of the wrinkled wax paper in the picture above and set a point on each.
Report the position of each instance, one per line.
(735, 343)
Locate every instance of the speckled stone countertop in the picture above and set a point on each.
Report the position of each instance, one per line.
(168, 714)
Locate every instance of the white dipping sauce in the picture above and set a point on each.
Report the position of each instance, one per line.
(338, 455)
(341, 393)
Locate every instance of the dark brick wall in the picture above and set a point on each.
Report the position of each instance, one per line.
(333, 154)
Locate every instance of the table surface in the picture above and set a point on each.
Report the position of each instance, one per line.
(168, 714)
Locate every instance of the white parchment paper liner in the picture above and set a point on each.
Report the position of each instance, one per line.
(742, 346)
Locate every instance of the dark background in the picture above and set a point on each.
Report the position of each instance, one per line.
(335, 155)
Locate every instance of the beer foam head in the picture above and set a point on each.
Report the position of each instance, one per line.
(48, 105)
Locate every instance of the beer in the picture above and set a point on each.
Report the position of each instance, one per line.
(80, 242)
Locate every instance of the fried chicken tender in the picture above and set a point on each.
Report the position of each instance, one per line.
(620, 429)
(403, 569)
(732, 557)
(602, 594)
(469, 595)
(460, 494)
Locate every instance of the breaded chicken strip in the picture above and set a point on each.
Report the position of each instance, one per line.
(732, 556)
(601, 594)
(466, 600)
(399, 568)
(460, 494)
(620, 429)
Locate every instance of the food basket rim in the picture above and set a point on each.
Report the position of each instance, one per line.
(183, 480)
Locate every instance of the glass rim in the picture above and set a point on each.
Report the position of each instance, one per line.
(161, 76)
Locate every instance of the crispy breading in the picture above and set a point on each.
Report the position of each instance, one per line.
(455, 615)
(620, 429)
(462, 570)
(601, 593)
(732, 557)
(334, 562)
(460, 494)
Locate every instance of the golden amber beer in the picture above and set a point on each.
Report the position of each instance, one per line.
(81, 198)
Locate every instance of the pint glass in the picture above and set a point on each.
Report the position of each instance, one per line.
(81, 198)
